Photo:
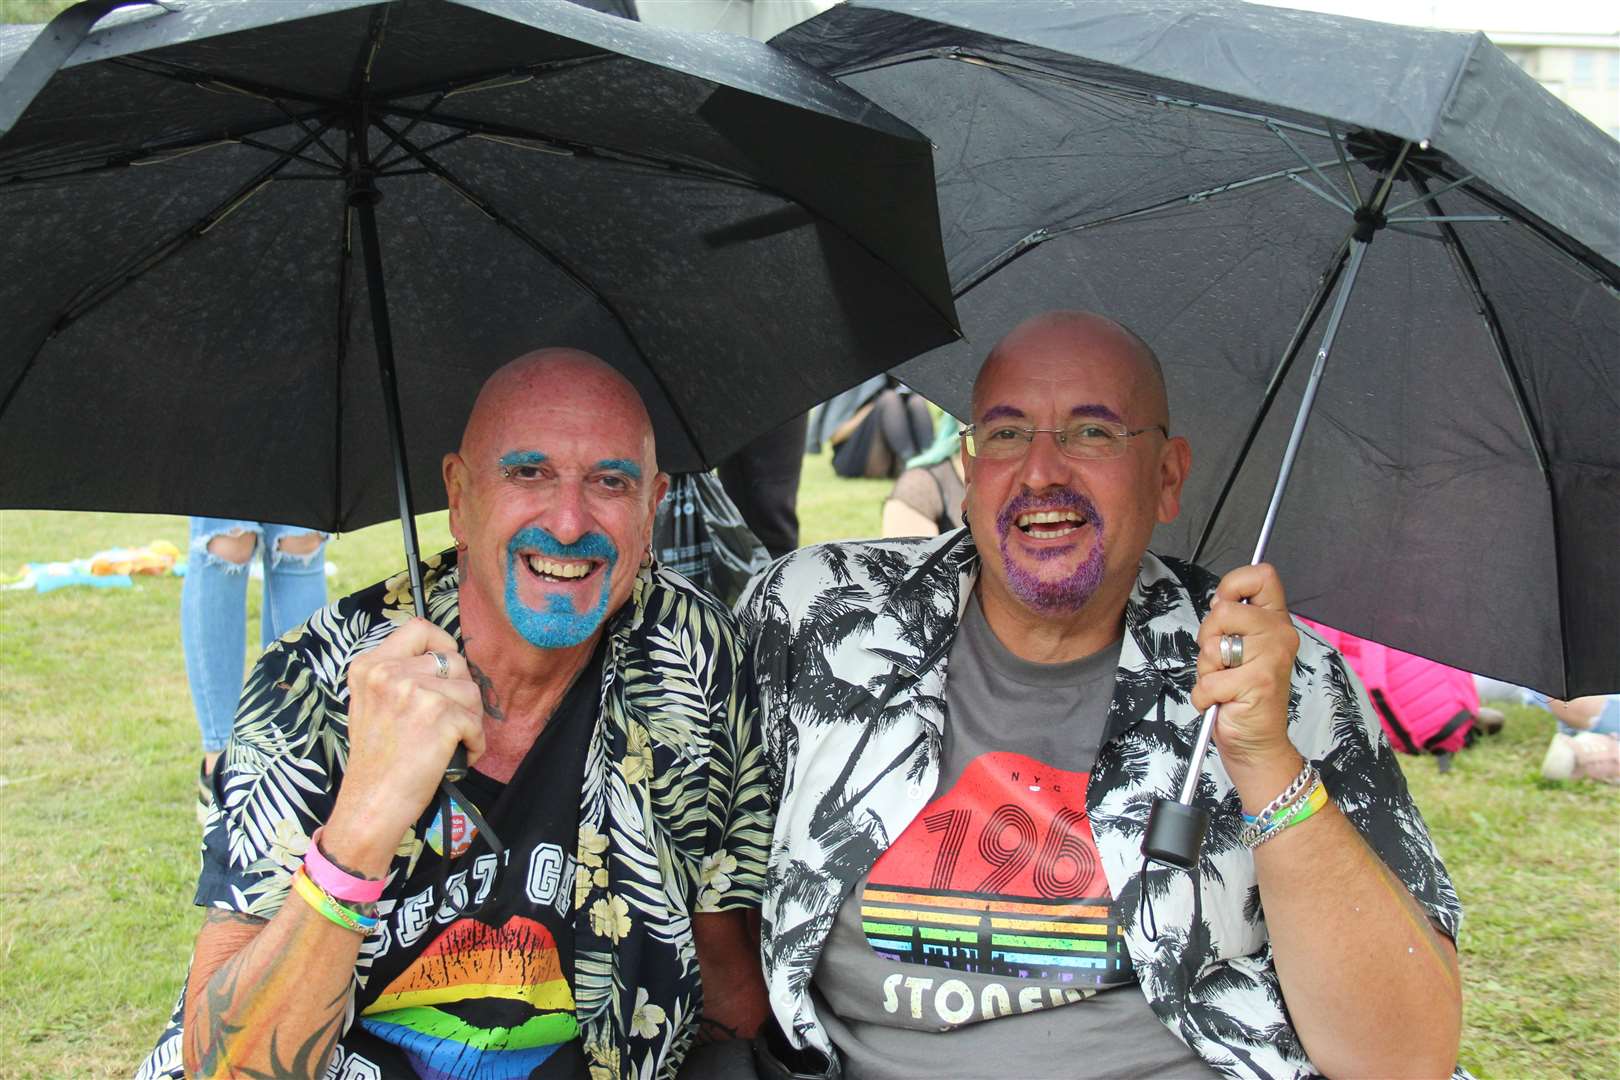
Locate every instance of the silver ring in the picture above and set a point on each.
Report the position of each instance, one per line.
(1231, 650)
(444, 665)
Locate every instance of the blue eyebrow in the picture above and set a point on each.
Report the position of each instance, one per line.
(522, 457)
(624, 465)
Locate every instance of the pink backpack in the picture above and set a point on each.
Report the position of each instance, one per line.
(1426, 708)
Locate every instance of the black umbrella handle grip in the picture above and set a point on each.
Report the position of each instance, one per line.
(457, 769)
(1175, 832)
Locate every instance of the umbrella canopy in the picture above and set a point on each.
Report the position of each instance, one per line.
(189, 325)
(1214, 174)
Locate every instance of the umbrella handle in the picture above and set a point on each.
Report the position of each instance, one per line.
(1175, 829)
(363, 198)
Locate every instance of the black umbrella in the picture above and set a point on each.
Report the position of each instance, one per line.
(184, 191)
(1206, 172)
(185, 205)
(1244, 185)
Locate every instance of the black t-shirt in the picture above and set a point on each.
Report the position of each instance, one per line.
(489, 994)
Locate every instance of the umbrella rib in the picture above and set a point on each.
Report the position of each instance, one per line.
(1515, 380)
(380, 166)
(94, 295)
(572, 147)
(216, 82)
(1313, 310)
(484, 81)
(956, 52)
(345, 268)
(383, 167)
(1042, 235)
(320, 142)
(1319, 193)
(1428, 218)
(483, 206)
(1453, 185)
(257, 145)
(1597, 274)
(1349, 173)
(1271, 125)
(158, 155)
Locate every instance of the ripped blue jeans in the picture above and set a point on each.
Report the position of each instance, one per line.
(213, 611)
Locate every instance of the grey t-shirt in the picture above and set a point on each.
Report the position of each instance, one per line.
(992, 905)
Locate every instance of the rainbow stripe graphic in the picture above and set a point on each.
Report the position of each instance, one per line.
(479, 1003)
(1065, 941)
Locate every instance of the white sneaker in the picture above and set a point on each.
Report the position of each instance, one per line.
(1559, 762)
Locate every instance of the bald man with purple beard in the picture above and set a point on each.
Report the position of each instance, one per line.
(970, 730)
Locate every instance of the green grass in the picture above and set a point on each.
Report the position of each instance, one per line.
(98, 751)
(31, 11)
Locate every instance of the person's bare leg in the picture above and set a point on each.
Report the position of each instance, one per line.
(234, 548)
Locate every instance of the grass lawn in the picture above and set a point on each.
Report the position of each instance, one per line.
(99, 851)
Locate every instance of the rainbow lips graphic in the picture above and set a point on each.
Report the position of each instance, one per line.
(480, 1003)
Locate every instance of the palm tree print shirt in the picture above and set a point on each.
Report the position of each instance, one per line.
(674, 816)
(850, 643)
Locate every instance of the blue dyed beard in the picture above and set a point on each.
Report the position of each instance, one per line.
(559, 626)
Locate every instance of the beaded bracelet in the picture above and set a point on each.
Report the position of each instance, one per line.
(329, 908)
(1252, 836)
(337, 882)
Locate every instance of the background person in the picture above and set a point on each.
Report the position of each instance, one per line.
(872, 429)
(213, 610)
(927, 498)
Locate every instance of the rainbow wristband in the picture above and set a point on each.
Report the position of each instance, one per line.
(337, 882)
(1314, 801)
(329, 908)
(1309, 805)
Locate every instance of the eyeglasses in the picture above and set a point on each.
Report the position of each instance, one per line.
(1082, 439)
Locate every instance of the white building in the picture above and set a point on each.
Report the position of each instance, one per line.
(1581, 69)
(1572, 47)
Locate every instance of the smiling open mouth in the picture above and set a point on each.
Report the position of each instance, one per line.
(1050, 524)
(561, 571)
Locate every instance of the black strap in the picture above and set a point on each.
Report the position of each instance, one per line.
(447, 791)
(1144, 905)
(1396, 728)
(1462, 716)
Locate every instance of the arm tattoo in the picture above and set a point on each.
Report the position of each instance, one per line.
(486, 689)
(212, 1035)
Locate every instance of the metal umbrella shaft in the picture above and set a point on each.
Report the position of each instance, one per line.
(1175, 830)
(363, 199)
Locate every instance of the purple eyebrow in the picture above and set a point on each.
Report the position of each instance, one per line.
(1101, 412)
(996, 412)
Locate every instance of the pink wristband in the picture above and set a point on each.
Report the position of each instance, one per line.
(337, 882)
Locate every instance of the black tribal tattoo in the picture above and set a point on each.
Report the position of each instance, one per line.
(486, 690)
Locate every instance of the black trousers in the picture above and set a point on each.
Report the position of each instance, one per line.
(898, 427)
(763, 480)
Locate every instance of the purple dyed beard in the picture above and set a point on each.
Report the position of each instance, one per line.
(1065, 595)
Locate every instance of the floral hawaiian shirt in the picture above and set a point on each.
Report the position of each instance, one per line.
(850, 644)
(675, 812)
